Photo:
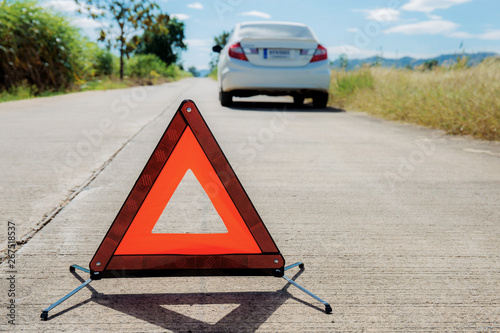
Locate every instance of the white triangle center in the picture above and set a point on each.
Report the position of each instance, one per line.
(208, 313)
(189, 211)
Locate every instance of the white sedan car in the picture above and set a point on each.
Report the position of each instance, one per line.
(275, 59)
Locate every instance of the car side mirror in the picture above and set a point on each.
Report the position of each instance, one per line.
(217, 48)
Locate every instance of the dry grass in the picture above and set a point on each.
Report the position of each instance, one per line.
(458, 100)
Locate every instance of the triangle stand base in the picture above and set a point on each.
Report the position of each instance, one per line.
(45, 313)
(328, 308)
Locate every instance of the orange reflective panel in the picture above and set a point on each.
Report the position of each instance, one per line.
(139, 238)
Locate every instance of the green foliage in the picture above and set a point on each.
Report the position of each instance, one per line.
(145, 66)
(37, 47)
(175, 72)
(150, 66)
(213, 73)
(344, 61)
(194, 71)
(104, 63)
(95, 61)
(220, 40)
(14, 93)
(430, 65)
(167, 45)
(128, 17)
(42, 55)
(106, 83)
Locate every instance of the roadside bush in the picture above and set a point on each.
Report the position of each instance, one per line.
(150, 66)
(104, 63)
(37, 47)
(145, 66)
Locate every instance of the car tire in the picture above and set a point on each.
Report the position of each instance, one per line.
(298, 100)
(320, 100)
(226, 99)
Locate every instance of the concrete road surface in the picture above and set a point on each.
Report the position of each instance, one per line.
(398, 226)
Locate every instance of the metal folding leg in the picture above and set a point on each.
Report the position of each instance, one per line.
(328, 308)
(45, 313)
(72, 268)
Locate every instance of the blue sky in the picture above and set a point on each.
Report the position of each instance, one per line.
(358, 28)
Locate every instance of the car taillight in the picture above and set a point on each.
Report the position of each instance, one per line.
(236, 51)
(320, 54)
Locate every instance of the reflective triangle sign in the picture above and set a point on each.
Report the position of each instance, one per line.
(131, 248)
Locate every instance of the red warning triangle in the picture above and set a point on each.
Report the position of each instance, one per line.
(130, 248)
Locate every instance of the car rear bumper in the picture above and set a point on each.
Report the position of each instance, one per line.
(242, 76)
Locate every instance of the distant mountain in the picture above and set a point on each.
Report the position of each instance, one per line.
(475, 58)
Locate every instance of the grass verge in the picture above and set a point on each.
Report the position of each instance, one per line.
(460, 101)
(25, 91)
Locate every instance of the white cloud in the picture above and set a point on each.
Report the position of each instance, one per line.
(201, 45)
(195, 5)
(383, 14)
(68, 6)
(86, 23)
(62, 5)
(256, 14)
(198, 42)
(354, 52)
(180, 17)
(490, 35)
(460, 34)
(434, 27)
(428, 6)
(441, 27)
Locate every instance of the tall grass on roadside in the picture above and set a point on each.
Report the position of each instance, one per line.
(459, 100)
(347, 85)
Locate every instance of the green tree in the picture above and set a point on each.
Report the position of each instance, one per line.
(37, 47)
(129, 18)
(104, 63)
(219, 40)
(344, 61)
(430, 64)
(194, 71)
(167, 45)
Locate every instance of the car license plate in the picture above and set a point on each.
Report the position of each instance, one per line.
(277, 54)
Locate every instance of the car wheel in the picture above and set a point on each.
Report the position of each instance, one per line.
(226, 99)
(320, 100)
(298, 100)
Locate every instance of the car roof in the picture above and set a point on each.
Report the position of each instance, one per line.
(272, 22)
(242, 24)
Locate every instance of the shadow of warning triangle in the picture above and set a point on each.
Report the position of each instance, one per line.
(198, 312)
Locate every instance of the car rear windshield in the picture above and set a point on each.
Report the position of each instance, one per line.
(275, 31)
